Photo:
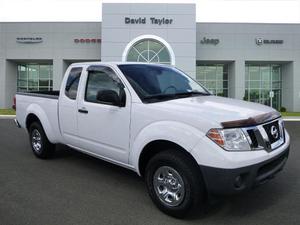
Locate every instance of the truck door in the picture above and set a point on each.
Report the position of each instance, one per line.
(68, 106)
(103, 122)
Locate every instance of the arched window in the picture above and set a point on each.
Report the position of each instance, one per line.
(149, 49)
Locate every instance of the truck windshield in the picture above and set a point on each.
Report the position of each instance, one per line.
(155, 83)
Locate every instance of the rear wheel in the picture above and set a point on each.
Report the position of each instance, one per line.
(40, 145)
(175, 183)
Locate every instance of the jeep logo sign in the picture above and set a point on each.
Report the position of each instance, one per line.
(212, 41)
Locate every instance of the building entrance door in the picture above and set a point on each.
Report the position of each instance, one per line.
(263, 84)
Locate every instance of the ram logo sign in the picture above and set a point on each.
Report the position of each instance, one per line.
(260, 41)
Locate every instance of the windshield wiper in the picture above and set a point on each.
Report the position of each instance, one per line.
(191, 93)
(160, 96)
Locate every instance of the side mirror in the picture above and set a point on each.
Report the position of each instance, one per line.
(110, 97)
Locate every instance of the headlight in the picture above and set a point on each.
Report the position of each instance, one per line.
(229, 139)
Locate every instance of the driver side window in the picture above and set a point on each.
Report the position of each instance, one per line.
(100, 82)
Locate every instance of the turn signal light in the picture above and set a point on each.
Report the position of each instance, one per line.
(214, 135)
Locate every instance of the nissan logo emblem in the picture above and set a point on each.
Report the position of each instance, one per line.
(274, 132)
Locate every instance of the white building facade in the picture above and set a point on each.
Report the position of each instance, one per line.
(254, 62)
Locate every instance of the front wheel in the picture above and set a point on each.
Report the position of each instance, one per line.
(175, 183)
(40, 145)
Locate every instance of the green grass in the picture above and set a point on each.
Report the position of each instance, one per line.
(7, 112)
(290, 113)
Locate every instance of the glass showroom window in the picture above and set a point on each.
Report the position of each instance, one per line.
(214, 77)
(260, 81)
(35, 77)
(150, 51)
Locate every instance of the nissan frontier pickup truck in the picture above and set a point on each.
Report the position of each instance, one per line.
(157, 121)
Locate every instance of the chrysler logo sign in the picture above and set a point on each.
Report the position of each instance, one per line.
(274, 132)
(29, 40)
(260, 41)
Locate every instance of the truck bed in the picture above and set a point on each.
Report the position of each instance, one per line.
(43, 104)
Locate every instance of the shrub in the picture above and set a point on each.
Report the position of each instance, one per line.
(282, 109)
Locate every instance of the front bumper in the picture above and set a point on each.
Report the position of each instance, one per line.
(231, 181)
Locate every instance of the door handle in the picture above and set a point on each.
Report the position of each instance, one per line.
(83, 111)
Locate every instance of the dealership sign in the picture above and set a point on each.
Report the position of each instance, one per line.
(153, 20)
(212, 41)
(29, 40)
(87, 40)
(260, 41)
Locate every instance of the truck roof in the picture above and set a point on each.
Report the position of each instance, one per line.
(112, 63)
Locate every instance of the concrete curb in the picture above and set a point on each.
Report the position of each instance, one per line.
(291, 118)
(7, 117)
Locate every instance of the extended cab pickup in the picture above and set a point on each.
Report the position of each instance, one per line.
(160, 123)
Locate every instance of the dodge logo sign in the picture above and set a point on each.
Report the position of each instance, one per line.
(274, 132)
(87, 40)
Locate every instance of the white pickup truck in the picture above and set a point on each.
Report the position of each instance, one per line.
(160, 123)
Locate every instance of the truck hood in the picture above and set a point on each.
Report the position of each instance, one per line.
(226, 112)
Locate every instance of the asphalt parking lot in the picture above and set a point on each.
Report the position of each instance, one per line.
(76, 189)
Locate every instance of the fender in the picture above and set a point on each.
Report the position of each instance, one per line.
(181, 134)
(40, 113)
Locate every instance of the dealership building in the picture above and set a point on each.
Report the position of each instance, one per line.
(251, 61)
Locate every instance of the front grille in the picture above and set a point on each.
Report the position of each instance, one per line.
(273, 131)
(266, 136)
(254, 142)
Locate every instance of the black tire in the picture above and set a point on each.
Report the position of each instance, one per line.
(42, 148)
(194, 189)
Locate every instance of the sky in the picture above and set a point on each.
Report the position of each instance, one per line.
(256, 11)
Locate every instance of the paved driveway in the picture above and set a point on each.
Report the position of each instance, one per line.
(77, 189)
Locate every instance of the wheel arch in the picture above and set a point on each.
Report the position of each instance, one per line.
(31, 118)
(157, 146)
(36, 114)
(166, 134)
